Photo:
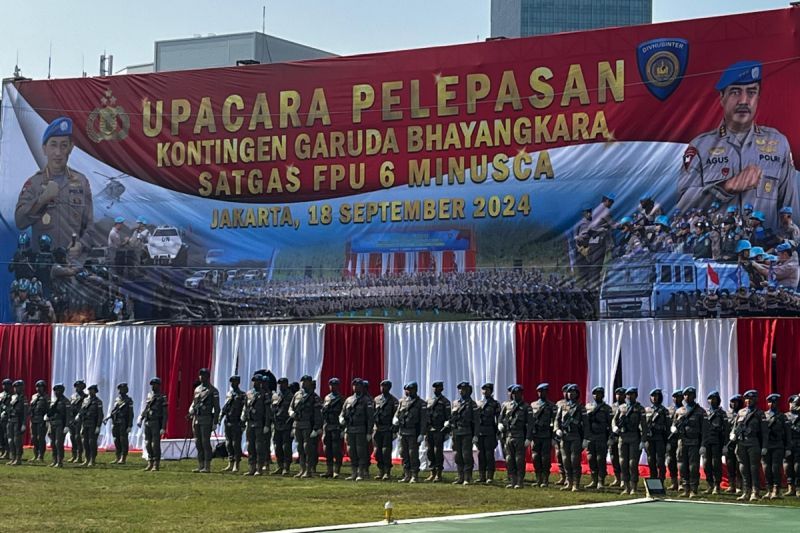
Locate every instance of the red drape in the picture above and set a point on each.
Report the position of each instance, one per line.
(755, 346)
(352, 351)
(26, 353)
(181, 351)
(787, 347)
(552, 352)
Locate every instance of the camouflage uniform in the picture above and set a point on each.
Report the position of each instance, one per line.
(91, 420)
(306, 413)
(232, 413)
(40, 404)
(776, 443)
(385, 410)
(438, 413)
(688, 424)
(332, 433)
(598, 431)
(75, 404)
(282, 436)
(358, 415)
(58, 416)
(17, 414)
(543, 415)
(517, 425)
(749, 433)
(793, 461)
(204, 413)
(464, 422)
(658, 422)
(570, 425)
(121, 416)
(412, 425)
(715, 435)
(488, 414)
(630, 424)
(5, 399)
(154, 418)
(257, 416)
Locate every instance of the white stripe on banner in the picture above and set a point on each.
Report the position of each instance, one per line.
(452, 352)
(107, 356)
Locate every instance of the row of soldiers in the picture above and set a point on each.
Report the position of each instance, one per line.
(674, 438)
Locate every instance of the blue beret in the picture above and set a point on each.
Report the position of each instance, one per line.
(437, 384)
(752, 393)
(79, 382)
(123, 384)
(543, 386)
(488, 386)
(632, 390)
(232, 379)
(774, 397)
(611, 196)
(60, 127)
(464, 384)
(783, 247)
(793, 398)
(515, 388)
(655, 392)
(256, 377)
(203, 372)
(787, 210)
(356, 381)
(283, 380)
(573, 388)
(306, 377)
(598, 389)
(677, 392)
(713, 394)
(119, 220)
(157, 381)
(41, 383)
(93, 387)
(19, 382)
(334, 381)
(619, 390)
(387, 383)
(410, 385)
(7, 382)
(689, 390)
(736, 398)
(740, 73)
(58, 386)
(565, 386)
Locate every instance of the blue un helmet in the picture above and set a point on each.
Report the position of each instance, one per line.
(24, 285)
(23, 241)
(743, 245)
(45, 242)
(662, 220)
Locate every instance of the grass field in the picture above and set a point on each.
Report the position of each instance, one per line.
(124, 498)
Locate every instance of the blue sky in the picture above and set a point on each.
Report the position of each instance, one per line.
(81, 31)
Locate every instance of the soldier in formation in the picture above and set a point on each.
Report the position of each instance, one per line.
(154, 419)
(121, 416)
(332, 429)
(231, 417)
(385, 432)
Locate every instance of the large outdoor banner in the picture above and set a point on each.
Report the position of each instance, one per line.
(623, 172)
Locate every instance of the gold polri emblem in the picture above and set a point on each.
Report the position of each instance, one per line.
(109, 122)
(760, 141)
(46, 218)
(768, 187)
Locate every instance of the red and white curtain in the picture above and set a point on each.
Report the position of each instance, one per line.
(728, 355)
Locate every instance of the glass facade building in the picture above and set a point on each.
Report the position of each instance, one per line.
(524, 18)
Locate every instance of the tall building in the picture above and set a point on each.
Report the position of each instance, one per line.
(524, 18)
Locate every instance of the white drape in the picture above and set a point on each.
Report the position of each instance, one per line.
(107, 356)
(678, 353)
(438, 257)
(289, 350)
(603, 343)
(385, 263)
(452, 352)
(461, 261)
(411, 262)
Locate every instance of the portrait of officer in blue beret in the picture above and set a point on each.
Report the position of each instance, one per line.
(740, 162)
(57, 200)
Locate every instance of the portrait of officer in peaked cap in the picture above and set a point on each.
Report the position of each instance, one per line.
(57, 200)
(740, 161)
